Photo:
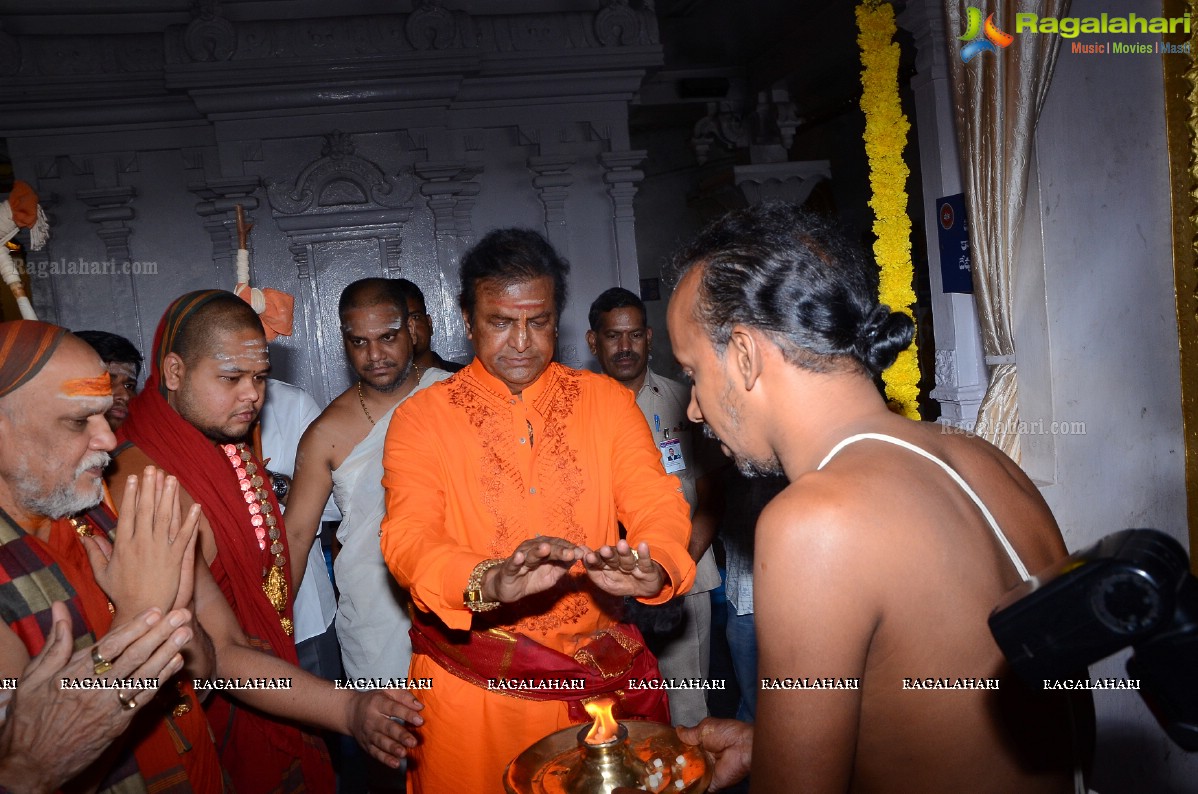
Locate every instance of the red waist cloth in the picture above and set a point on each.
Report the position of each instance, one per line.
(604, 666)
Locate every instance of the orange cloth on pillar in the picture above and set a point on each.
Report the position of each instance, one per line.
(466, 481)
(279, 315)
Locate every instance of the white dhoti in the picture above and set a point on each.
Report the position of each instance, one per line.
(372, 609)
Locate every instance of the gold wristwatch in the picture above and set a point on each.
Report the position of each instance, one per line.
(473, 597)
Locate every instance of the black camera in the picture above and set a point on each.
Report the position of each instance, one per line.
(1132, 588)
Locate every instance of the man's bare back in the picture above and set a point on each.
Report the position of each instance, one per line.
(896, 572)
(875, 570)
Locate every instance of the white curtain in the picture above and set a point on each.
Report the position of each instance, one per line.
(998, 97)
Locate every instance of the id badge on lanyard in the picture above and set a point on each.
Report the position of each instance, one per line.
(671, 453)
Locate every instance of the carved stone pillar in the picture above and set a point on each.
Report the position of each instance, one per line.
(219, 200)
(463, 210)
(622, 177)
(791, 182)
(444, 183)
(303, 271)
(450, 189)
(111, 210)
(392, 248)
(961, 375)
(552, 181)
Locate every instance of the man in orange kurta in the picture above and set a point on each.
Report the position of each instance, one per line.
(506, 485)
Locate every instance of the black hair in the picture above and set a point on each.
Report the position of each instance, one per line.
(368, 292)
(789, 273)
(512, 256)
(197, 334)
(113, 348)
(612, 299)
(410, 292)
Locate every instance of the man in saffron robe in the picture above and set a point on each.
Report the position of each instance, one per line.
(54, 442)
(506, 485)
(204, 393)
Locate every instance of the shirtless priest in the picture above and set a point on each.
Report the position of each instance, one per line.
(874, 565)
(342, 453)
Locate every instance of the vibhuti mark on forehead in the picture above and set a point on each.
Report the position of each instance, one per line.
(254, 352)
(99, 386)
(255, 346)
(348, 328)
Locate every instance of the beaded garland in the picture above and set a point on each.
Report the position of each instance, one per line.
(266, 527)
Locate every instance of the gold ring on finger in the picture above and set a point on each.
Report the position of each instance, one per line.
(128, 703)
(634, 554)
(100, 664)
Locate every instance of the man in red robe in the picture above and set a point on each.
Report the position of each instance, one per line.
(204, 392)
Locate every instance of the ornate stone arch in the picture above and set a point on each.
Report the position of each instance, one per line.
(339, 180)
(343, 215)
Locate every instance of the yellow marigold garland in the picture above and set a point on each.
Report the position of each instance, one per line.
(886, 129)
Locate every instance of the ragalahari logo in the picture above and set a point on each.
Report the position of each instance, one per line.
(985, 38)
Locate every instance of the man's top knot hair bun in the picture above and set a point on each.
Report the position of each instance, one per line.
(882, 336)
(870, 327)
(793, 275)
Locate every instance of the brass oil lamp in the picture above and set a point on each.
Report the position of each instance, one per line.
(609, 755)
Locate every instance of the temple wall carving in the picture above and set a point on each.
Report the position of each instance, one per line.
(358, 146)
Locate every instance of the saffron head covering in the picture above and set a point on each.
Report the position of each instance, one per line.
(25, 347)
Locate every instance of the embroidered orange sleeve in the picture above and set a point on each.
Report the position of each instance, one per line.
(418, 543)
(649, 502)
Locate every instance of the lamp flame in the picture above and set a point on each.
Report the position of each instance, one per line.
(605, 726)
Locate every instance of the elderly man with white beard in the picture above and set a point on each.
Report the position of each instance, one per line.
(54, 444)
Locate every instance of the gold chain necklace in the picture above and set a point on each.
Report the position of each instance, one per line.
(362, 397)
(362, 402)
